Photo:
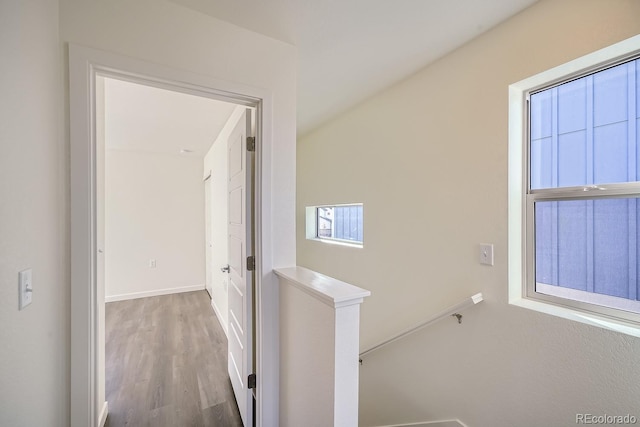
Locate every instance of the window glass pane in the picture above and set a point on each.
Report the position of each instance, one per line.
(340, 222)
(325, 222)
(589, 246)
(585, 131)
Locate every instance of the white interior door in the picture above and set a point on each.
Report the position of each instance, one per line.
(240, 225)
(208, 237)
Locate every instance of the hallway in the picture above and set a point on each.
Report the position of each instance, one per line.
(166, 363)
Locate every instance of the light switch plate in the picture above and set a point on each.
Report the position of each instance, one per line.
(486, 253)
(25, 288)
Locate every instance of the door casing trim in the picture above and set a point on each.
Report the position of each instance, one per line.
(84, 65)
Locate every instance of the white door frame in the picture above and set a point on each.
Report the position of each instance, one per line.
(208, 265)
(84, 65)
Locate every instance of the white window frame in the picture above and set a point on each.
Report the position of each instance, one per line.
(311, 226)
(521, 199)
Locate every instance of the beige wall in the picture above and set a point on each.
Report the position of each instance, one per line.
(428, 157)
(154, 209)
(33, 342)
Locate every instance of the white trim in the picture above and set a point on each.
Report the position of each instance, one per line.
(155, 292)
(218, 313)
(333, 292)
(570, 313)
(427, 423)
(310, 223)
(589, 297)
(103, 414)
(518, 167)
(83, 243)
(84, 64)
(583, 65)
(338, 242)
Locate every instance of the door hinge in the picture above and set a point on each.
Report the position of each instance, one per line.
(251, 381)
(251, 263)
(251, 143)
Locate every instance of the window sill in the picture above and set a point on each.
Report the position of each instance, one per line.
(337, 242)
(569, 313)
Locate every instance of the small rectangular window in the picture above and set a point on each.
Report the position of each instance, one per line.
(574, 207)
(336, 223)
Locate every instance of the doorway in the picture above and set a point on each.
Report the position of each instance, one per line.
(87, 301)
(154, 146)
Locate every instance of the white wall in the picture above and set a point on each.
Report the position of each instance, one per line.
(34, 352)
(428, 157)
(154, 209)
(308, 359)
(164, 33)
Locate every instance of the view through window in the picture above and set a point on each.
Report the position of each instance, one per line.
(584, 162)
(341, 222)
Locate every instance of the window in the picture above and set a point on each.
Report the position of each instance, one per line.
(574, 204)
(336, 224)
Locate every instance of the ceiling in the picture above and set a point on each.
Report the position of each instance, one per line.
(349, 50)
(144, 118)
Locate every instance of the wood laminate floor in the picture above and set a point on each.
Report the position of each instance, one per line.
(166, 364)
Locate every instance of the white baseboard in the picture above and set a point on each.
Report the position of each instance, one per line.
(156, 292)
(217, 311)
(445, 423)
(103, 415)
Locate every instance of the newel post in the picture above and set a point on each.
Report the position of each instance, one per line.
(319, 345)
